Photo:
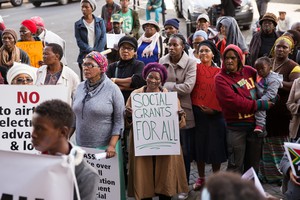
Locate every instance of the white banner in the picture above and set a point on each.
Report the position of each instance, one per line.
(155, 123)
(16, 108)
(108, 170)
(34, 177)
(252, 176)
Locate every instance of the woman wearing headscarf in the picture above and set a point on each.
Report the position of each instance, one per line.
(198, 37)
(10, 53)
(209, 139)
(90, 32)
(181, 79)
(28, 30)
(235, 90)
(99, 108)
(150, 176)
(229, 29)
(278, 117)
(150, 44)
(21, 74)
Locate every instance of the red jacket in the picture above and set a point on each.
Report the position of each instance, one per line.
(236, 95)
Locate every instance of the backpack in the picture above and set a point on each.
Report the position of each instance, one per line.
(237, 3)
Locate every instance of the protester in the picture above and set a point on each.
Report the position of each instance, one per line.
(235, 91)
(28, 30)
(99, 107)
(2, 27)
(21, 74)
(107, 11)
(150, 44)
(53, 72)
(203, 23)
(127, 72)
(283, 22)
(90, 32)
(198, 37)
(263, 41)
(181, 79)
(292, 105)
(153, 6)
(209, 139)
(296, 26)
(231, 33)
(278, 117)
(151, 176)
(10, 53)
(171, 27)
(117, 22)
(292, 191)
(47, 36)
(295, 54)
(51, 122)
(131, 24)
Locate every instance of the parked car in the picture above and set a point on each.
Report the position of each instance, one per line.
(191, 9)
(13, 2)
(37, 3)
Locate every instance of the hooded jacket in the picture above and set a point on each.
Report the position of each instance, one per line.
(236, 93)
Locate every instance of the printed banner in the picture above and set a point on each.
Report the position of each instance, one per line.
(34, 177)
(155, 123)
(108, 170)
(204, 92)
(251, 175)
(293, 152)
(34, 50)
(16, 108)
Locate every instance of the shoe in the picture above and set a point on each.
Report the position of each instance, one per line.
(183, 196)
(260, 131)
(199, 184)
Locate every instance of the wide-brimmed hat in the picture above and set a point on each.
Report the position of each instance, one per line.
(153, 22)
(269, 16)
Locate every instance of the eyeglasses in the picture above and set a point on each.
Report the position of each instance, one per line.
(123, 48)
(204, 51)
(89, 65)
(23, 80)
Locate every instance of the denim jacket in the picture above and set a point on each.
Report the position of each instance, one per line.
(81, 36)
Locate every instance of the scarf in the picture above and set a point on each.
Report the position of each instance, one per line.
(148, 51)
(7, 59)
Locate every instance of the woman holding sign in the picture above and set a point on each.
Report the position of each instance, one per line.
(209, 138)
(150, 176)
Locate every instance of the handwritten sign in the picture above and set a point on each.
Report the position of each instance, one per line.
(16, 109)
(108, 170)
(204, 92)
(293, 152)
(155, 123)
(34, 49)
(35, 177)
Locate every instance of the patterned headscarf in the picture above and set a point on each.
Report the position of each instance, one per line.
(289, 40)
(100, 59)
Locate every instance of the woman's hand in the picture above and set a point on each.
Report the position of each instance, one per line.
(207, 110)
(110, 151)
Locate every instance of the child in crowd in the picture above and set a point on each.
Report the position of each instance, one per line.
(283, 23)
(267, 84)
(52, 121)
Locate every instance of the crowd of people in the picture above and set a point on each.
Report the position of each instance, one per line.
(254, 88)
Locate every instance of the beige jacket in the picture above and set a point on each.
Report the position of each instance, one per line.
(293, 104)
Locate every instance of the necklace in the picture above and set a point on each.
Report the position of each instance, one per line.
(276, 68)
